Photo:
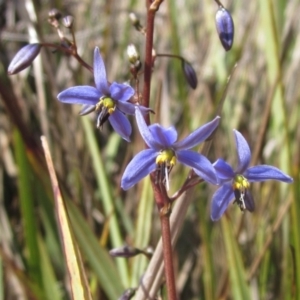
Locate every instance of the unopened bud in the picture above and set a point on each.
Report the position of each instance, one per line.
(125, 251)
(132, 54)
(128, 294)
(135, 22)
(23, 58)
(225, 27)
(54, 14)
(149, 251)
(68, 21)
(134, 58)
(190, 74)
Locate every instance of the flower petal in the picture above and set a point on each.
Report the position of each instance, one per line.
(140, 166)
(145, 132)
(265, 172)
(87, 109)
(199, 135)
(201, 165)
(165, 136)
(82, 94)
(220, 201)
(120, 91)
(223, 170)
(120, 124)
(100, 73)
(243, 152)
(126, 107)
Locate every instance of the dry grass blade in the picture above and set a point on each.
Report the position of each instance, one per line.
(78, 280)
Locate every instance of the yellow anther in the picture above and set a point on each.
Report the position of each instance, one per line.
(166, 157)
(240, 183)
(107, 103)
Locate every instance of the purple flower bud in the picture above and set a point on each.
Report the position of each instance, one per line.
(190, 74)
(125, 251)
(225, 27)
(23, 58)
(68, 21)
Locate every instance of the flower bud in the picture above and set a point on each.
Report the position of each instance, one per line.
(125, 251)
(54, 14)
(132, 54)
(225, 27)
(68, 21)
(189, 73)
(135, 22)
(128, 294)
(134, 57)
(23, 58)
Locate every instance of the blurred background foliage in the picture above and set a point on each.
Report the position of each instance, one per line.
(242, 256)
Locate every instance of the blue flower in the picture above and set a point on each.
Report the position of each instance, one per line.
(110, 101)
(164, 152)
(235, 184)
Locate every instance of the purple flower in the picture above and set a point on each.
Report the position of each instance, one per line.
(110, 101)
(164, 152)
(235, 184)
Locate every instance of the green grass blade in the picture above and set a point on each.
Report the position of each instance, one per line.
(236, 269)
(107, 196)
(279, 127)
(27, 210)
(98, 259)
(77, 277)
(209, 283)
(143, 230)
(51, 285)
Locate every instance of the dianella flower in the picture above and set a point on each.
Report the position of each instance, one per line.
(164, 151)
(109, 100)
(235, 184)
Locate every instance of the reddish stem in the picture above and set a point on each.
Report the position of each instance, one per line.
(69, 51)
(167, 252)
(164, 206)
(161, 198)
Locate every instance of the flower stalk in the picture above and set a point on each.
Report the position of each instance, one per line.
(159, 196)
(165, 213)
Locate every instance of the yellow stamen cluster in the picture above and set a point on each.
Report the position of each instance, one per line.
(166, 157)
(107, 103)
(165, 162)
(240, 183)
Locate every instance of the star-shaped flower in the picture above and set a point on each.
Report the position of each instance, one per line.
(164, 152)
(109, 100)
(235, 184)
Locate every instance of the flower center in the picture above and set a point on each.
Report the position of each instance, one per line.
(165, 162)
(105, 107)
(243, 197)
